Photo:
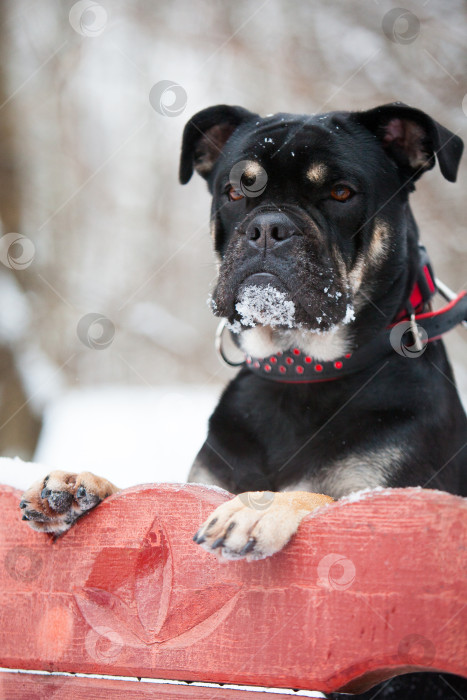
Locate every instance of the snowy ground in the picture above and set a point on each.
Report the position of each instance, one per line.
(129, 435)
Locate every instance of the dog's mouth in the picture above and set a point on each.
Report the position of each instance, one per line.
(263, 299)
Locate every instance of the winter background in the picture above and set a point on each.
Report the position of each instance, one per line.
(107, 360)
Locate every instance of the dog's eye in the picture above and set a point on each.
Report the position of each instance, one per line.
(341, 193)
(234, 194)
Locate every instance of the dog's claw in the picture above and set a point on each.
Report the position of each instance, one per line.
(248, 547)
(218, 543)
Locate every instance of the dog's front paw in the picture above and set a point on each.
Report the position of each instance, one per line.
(55, 503)
(256, 524)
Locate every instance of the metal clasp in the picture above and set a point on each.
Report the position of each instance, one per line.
(416, 335)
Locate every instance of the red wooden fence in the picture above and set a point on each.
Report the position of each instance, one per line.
(365, 590)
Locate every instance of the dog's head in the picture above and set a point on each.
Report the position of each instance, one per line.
(310, 218)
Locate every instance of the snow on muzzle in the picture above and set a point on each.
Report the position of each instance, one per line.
(263, 299)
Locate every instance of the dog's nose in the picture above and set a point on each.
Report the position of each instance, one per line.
(270, 229)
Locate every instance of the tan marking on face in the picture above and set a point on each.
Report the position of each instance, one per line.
(353, 278)
(379, 242)
(339, 261)
(376, 252)
(252, 169)
(356, 274)
(317, 173)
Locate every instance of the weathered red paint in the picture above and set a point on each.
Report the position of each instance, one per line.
(365, 590)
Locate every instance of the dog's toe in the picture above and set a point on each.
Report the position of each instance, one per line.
(231, 532)
(86, 499)
(34, 515)
(55, 503)
(59, 501)
(256, 525)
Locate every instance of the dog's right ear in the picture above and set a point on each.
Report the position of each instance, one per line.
(205, 136)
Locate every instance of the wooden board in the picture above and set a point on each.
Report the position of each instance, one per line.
(15, 686)
(364, 591)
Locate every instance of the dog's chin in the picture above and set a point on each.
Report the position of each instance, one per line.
(268, 318)
(322, 345)
(263, 300)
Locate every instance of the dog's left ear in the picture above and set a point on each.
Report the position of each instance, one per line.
(413, 139)
(205, 136)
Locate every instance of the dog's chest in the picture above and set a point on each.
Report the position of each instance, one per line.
(353, 473)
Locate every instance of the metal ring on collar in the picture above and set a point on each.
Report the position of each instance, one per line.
(219, 348)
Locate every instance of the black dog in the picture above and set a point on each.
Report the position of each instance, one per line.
(326, 290)
(316, 261)
(319, 254)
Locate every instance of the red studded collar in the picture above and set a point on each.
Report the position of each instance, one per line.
(412, 329)
(294, 366)
(407, 337)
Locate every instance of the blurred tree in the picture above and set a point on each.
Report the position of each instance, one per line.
(19, 424)
(93, 179)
